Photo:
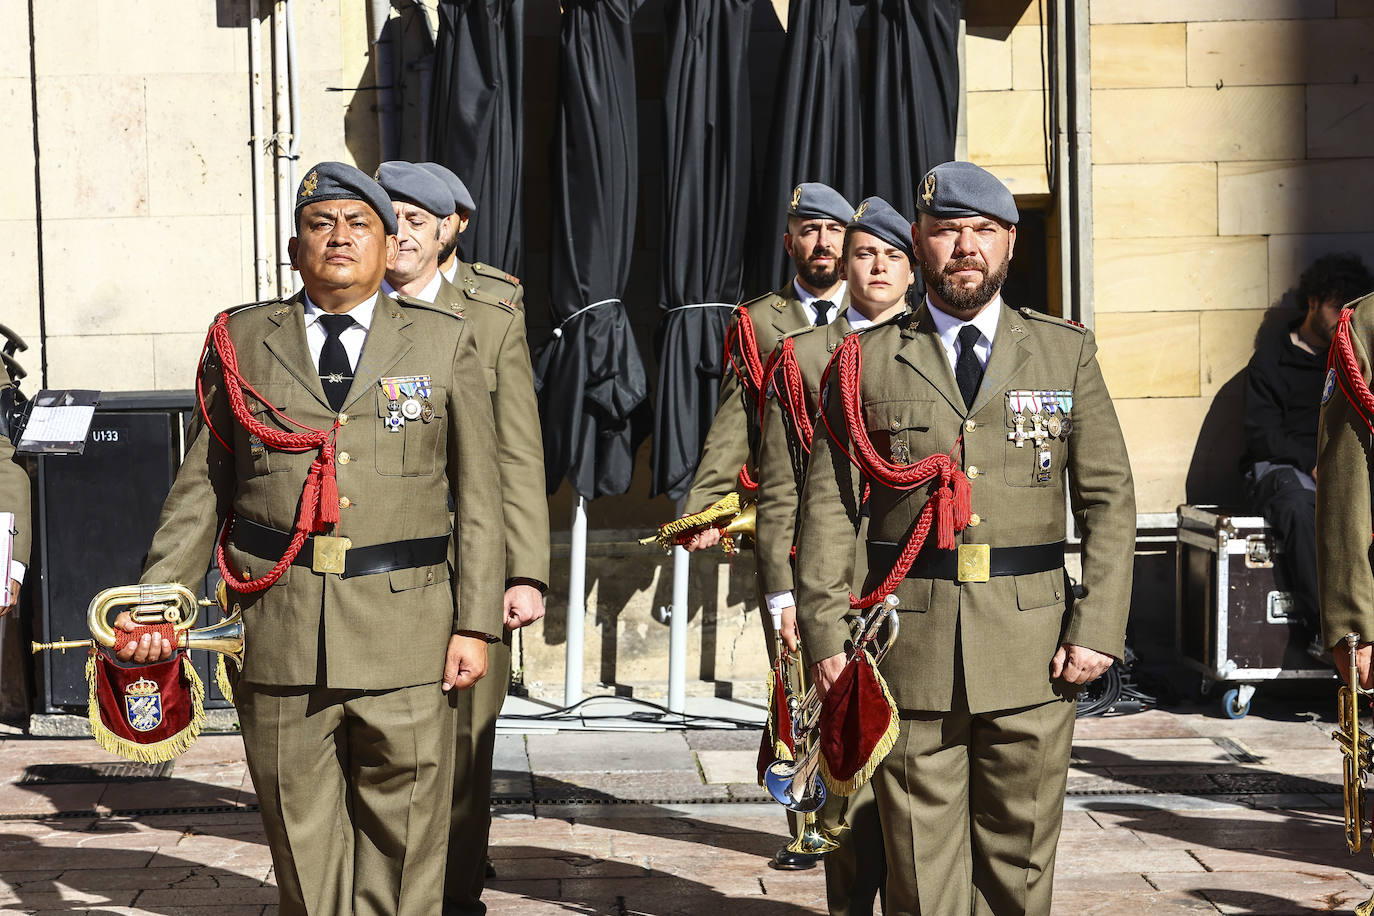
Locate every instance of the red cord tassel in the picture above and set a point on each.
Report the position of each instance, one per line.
(944, 518)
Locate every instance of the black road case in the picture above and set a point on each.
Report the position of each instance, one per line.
(1234, 607)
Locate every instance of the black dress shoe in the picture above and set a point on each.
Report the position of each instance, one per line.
(491, 869)
(787, 860)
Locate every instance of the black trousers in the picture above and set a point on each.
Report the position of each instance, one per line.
(1291, 511)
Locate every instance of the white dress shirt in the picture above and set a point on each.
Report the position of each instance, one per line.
(352, 337)
(450, 273)
(428, 294)
(808, 301)
(949, 327)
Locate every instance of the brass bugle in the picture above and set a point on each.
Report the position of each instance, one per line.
(726, 515)
(796, 784)
(162, 603)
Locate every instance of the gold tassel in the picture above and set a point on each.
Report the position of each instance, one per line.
(222, 679)
(727, 507)
(885, 744)
(158, 751)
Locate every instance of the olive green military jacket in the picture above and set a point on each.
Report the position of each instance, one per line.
(1005, 630)
(733, 437)
(782, 462)
(499, 330)
(14, 493)
(489, 284)
(1345, 580)
(368, 632)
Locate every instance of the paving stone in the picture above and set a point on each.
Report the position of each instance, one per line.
(610, 752)
(729, 766)
(723, 739)
(1285, 893)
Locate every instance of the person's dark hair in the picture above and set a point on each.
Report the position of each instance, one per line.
(1341, 277)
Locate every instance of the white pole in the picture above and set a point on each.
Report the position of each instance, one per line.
(577, 603)
(260, 276)
(677, 630)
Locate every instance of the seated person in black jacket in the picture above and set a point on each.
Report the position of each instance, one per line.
(1282, 398)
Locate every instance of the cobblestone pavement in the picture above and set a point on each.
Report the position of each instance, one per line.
(1169, 812)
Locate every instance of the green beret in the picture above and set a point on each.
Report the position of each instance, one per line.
(406, 182)
(811, 200)
(339, 181)
(879, 218)
(954, 190)
(462, 200)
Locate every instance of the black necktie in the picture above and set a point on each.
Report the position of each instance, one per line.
(336, 374)
(822, 307)
(968, 371)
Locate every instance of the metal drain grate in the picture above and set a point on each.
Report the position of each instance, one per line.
(51, 774)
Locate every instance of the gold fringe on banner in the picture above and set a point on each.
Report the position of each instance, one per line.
(158, 751)
(880, 750)
(222, 679)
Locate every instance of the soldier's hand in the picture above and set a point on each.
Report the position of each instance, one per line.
(788, 630)
(150, 648)
(524, 605)
(1079, 664)
(825, 671)
(465, 663)
(1341, 655)
(703, 540)
(14, 598)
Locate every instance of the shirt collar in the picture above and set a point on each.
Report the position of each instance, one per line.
(428, 294)
(807, 298)
(451, 272)
(361, 313)
(948, 327)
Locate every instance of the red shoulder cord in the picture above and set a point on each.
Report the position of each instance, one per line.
(749, 367)
(791, 392)
(1341, 361)
(949, 507)
(319, 498)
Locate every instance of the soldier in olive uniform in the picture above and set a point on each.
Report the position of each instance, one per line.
(1345, 579)
(477, 280)
(877, 264)
(815, 234)
(14, 497)
(349, 736)
(422, 203)
(992, 643)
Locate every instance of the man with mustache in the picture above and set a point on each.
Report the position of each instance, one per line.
(877, 264)
(993, 644)
(424, 203)
(816, 221)
(355, 638)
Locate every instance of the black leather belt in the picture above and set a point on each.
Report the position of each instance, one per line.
(932, 563)
(262, 541)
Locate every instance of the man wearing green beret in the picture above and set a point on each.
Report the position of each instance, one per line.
(424, 204)
(993, 645)
(876, 262)
(816, 219)
(355, 637)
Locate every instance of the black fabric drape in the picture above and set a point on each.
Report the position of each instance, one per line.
(913, 96)
(705, 206)
(817, 124)
(477, 123)
(593, 391)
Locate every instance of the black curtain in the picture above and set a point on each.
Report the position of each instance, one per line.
(705, 203)
(477, 121)
(593, 390)
(913, 97)
(817, 124)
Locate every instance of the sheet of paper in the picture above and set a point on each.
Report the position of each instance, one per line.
(58, 424)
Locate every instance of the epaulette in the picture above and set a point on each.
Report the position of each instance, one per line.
(799, 332)
(766, 298)
(490, 298)
(234, 310)
(1051, 319)
(495, 273)
(412, 303)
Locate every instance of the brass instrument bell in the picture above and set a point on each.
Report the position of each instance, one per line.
(1357, 750)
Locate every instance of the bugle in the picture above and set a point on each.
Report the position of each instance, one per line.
(725, 515)
(1357, 749)
(796, 784)
(157, 604)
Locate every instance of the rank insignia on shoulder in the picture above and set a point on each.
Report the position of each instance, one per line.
(1330, 387)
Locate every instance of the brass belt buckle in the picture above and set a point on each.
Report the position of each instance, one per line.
(329, 554)
(974, 563)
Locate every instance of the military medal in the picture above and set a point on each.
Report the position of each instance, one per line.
(1042, 466)
(1015, 400)
(1065, 400)
(900, 453)
(394, 421)
(410, 409)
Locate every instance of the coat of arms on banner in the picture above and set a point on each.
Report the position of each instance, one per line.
(143, 705)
